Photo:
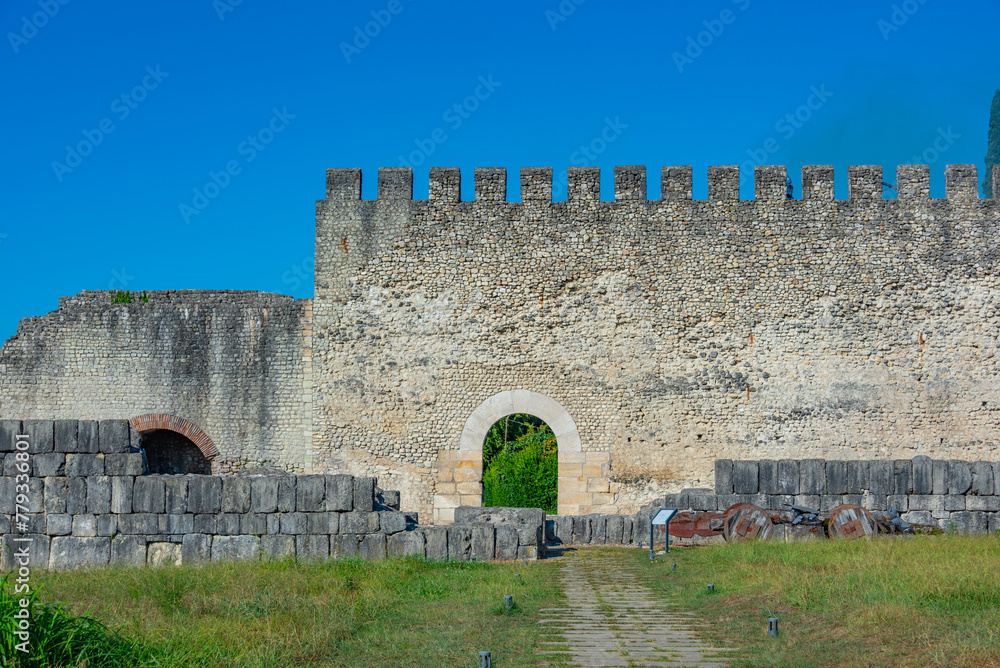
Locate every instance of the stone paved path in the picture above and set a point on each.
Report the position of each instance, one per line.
(610, 619)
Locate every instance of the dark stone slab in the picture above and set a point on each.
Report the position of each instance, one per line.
(779, 501)
(113, 436)
(76, 496)
(286, 493)
(55, 494)
(107, 525)
(768, 474)
(359, 522)
(124, 463)
(954, 502)
(901, 476)
(340, 492)
(235, 494)
(959, 477)
(205, 523)
(177, 524)
(459, 542)
(49, 464)
(982, 479)
(41, 436)
(836, 477)
(390, 499)
(121, 493)
(746, 478)
(345, 545)
(58, 524)
(723, 476)
(901, 502)
(969, 521)
(581, 530)
(235, 548)
(294, 523)
(312, 546)
(703, 502)
(483, 542)
(9, 431)
(678, 501)
(939, 477)
(628, 530)
(372, 547)
(405, 544)
(148, 494)
(175, 492)
(128, 550)
(436, 542)
(255, 524)
(922, 469)
(881, 477)
(88, 437)
(278, 547)
(812, 476)
(788, 476)
(391, 521)
(506, 543)
(364, 494)
(857, 476)
(598, 532)
(84, 465)
(138, 523)
(263, 494)
(615, 528)
(310, 493)
(66, 435)
(68, 552)
(205, 494)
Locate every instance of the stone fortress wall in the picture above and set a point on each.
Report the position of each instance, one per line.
(654, 336)
(658, 335)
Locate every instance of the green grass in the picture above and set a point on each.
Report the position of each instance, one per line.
(916, 601)
(337, 613)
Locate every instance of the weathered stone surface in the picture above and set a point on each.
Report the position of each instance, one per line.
(359, 522)
(857, 476)
(175, 491)
(344, 545)
(836, 477)
(968, 521)
(562, 529)
(812, 476)
(768, 475)
(372, 546)
(98, 495)
(58, 524)
(163, 553)
(107, 525)
(364, 494)
(85, 525)
(76, 496)
(982, 503)
(279, 546)
(310, 493)
(196, 548)
(178, 523)
(124, 463)
(881, 477)
(922, 469)
(919, 517)
(255, 524)
(391, 522)
(67, 552)
(704, 501)
(235, 548)
(982, 479)
(88, 440)
(205, 494)
(113, 436)
(49, 464)
(148, 493)
(788, 476)
(615, 527)
(41, 435)
(128, 550)
(55, 495)
(9, 430)
(506, 543)
(939, 477)
(901, 476)
(37, 551)
(294, 523)
(405, 544)
(235, 494)
(138, 523)
(581, 530)
(390, 498)
(746, 478)
(340, 492)
(900, 502)
(459, 542)
(310, 546)
(678, 501)
(286, 493)
(226, 524)
(263, 494)
(84, 465)
(598, 532)
(724, 476)
(953, 502)
(959, 477)
(205, 523)
(483, 542)
(65, 435)
(121, 494)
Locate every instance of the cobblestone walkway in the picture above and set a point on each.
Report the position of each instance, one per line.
(610, 619)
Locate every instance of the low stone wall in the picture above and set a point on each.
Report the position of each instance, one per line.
(90, 504)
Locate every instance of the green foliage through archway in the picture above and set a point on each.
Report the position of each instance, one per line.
(520, 464)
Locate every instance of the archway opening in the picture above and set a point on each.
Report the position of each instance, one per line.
(521, 464)
(172, 453)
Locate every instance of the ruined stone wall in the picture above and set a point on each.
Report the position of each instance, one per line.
(235, 365)
(661, 334)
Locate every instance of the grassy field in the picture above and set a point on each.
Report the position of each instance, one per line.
(337, 613)
(914, 601)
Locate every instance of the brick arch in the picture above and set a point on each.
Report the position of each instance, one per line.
(153, 421)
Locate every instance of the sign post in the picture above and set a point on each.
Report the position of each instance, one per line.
(661, 518)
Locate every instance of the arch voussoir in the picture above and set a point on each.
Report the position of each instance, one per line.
(154, 421)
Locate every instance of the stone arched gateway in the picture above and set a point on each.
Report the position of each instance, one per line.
(154, 422)
(582, 476)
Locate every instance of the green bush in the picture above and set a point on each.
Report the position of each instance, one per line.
(524, 474)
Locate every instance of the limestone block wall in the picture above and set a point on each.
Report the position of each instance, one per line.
(230, 368)
(668, 332)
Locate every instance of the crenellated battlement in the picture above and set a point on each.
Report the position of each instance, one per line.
(865, 183)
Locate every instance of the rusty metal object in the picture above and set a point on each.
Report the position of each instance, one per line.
(747, 521)
(852, 521)
(691, 523)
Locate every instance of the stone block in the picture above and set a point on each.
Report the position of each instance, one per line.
(981, 503)
(939, 477)
(58, 524)
(875, 501)
(968, 521)
(459, 542)
(901, 476)
(138, 523)
(121, 493)
(828, 502)
(310, 493)
(836, 477)
(615, 528)
(723, 476)
(581, 530)
(854, 499)
(84, 465)
(982, 479)
(628, 530)
(294, 523)
(236, 494)
(41, 436)
(107, 525)
(273, 523)
(857, 476)
(436, 542)
(88, 437)
(779, 502)
(812, 476)
(364, 494)
(113, 436)
(76, 496)
(391, 521)
(49, 464)
(562, 529)
(898, 501)
(746, 477)
(9, 431)
(148, 493)
(928, 502)
(235, 548)
(68, 552)
(678, 501)
(340, 493)
(205, 523)
(286, 493)
(263, 494)
(598, 532)
(55, 495)
(372, 547)
(36, 523)
(881, 477)
(65, 436)
(227, 524)
(163, 553)
(390, 499)
(312, 546)
(767, 470)
(128, 550)
(255, 524)
(959, 477)
(37, 549)
(124, 463)
(506, 543)
(359, 522)
(278, 547)
(178, 524)
(204, 494)
(344, 545)
(994, 522)
(954, 502)
(196, 548)
(811, 501)
(527, 552)
(85, 525)
(703, 501)
(405, 544)
(483, 542)
(922, 470)
(919, 517)
(175, 490)
(99, 495)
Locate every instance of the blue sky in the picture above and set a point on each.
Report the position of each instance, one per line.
(118, 115)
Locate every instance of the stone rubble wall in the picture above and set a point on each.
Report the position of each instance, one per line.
(91, 505)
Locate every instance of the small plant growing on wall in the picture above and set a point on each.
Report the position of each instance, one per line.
(125, 297)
